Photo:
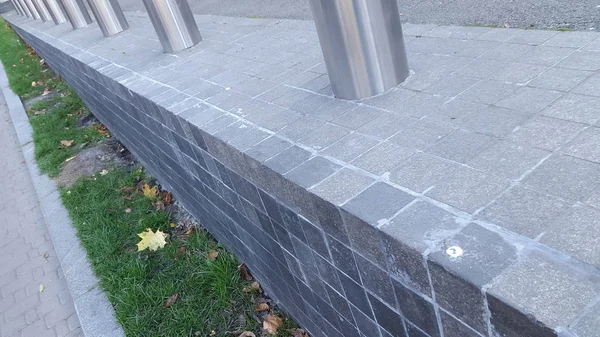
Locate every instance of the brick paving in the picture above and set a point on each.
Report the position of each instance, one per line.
(27, 256)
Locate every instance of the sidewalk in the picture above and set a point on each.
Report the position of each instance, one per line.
(27, 256)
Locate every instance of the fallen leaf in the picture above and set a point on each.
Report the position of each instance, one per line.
(128, 197)
(166, 197)
(298, 333)
(102, 130)
(190, 231)
(255, 285)
(172, 225)
(160, 206)
(66, 143)
(46, 92)
(127, 189)
(262, 307)
(212, 255)
(69, 159)
(151, 240)
(35, 84)
(247, 334)
(213, 333)
(179, 252)
(244, 274)
(271, 324)
(103, 172)
(149, 192)
(127, 210)
(41, 287)
(171, 300)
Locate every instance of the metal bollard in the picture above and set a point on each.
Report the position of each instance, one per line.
(362, 45)
(174, 24)
(76, 13)
(55, 11)
(17, 7)
(42, 10)
(34, 13)
(109, 16)
(24, 8)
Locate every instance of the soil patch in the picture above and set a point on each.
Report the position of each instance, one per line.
(34, 100)
(94, 160)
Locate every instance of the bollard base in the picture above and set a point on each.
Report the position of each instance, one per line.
(362, 44)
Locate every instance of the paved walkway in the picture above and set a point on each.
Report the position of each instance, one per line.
(27, 257)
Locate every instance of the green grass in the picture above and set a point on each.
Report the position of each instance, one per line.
(53, 120)
(22, 65)
(60, 123)
(138, 284)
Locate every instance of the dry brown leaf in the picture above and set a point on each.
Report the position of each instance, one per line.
(46, 92)
(128, 197)
(166, 197)
(244, 274)
(262, 307)
(247, 334)
(66, 143)
(160, 206)
(179, 252)
(127, 189)
(212, 255)
(102, 130)
(171, 300)
(255, 285)
(298, 333)
(190, 231)
(271, 324)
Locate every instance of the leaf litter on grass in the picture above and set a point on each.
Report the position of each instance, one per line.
(214, 292)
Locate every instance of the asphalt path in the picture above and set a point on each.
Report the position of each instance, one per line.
(541, 14)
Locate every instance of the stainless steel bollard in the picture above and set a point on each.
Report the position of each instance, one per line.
(109, 16)
(362, 45)
(174, 24)
(17, 7)
(34, 13)
(76, 13)
(55, 11)
(42, 10)
(24, 8)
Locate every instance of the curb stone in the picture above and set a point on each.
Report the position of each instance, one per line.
(96, 314)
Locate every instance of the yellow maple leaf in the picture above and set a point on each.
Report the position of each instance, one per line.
(151, 240)
(150, 193)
